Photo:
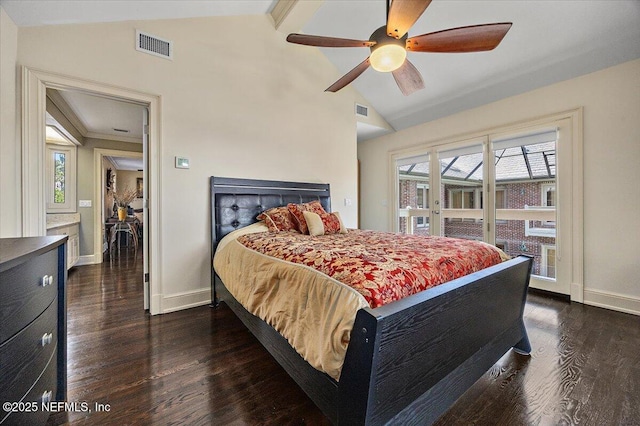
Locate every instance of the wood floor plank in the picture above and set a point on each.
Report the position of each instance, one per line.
(201, 366)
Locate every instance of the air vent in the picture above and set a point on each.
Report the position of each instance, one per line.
(362, 110)
(153, 45)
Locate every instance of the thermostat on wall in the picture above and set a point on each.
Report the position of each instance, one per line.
(182, 163)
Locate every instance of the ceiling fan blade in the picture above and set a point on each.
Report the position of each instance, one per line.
(408, 78)
(321, 41)
(403, 14)
(475, 38)
(349, 77)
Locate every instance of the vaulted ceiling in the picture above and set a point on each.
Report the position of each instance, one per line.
(549, 41)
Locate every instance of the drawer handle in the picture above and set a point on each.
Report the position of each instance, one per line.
(47, 338)
(46, 280)
(46, 397)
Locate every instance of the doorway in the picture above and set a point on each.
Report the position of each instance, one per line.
(106, 241)
(35, 84)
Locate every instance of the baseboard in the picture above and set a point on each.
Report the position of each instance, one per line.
(552, 294)
(577, 292)
(613, 301)
(186, 300)
(154, 304)
(89, 259)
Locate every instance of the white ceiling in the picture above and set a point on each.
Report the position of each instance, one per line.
(54, 12)
(106, 118)
(550, 41)
(98, 117)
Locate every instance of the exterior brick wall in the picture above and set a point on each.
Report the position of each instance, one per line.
(408, 197)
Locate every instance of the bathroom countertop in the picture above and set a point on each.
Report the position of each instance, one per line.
(60, 220)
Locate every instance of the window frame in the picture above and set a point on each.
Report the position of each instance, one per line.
(420, 220)
(70, 181)
(544, 265)
(544, 187)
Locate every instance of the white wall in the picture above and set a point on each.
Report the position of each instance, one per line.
(611, 101)
(252, 106)
(10, 222)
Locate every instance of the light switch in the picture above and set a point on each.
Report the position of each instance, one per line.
(84, 203)
(347, 201)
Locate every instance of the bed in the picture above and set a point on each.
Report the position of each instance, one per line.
(407, 361)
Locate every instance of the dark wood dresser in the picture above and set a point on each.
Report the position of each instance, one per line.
(33, 327)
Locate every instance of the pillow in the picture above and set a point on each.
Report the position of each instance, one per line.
(324, 223)
(298, 216)
(278, 219)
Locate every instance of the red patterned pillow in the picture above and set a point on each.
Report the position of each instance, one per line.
(324, 223)
(297, 211)
(278, 219)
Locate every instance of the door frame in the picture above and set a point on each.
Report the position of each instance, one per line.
(34, 85)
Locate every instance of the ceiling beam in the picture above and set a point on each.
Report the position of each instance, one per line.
(63, 114)
(290, 16)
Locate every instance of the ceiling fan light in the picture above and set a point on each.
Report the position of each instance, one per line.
(387, 57)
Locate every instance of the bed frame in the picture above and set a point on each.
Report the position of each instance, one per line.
(408, 361)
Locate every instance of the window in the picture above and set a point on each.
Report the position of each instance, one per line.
(549, 199)
(465, 199)
(529, 188)
(501, 202)
(501, 196)
(413, 194)
(461, 171)
(59, 172)
(548, 261)
(61, 178)
(549, 194)
(422, 200)
(461, 198)
(543, 228)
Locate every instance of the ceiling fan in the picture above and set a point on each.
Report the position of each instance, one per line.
(389, 44)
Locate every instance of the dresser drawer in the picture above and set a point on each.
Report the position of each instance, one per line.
(22, 293)
(45, 385)
(24, 357)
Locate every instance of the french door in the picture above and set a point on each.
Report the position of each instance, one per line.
(504, 189)
(461, 190)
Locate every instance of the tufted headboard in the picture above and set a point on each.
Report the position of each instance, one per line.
(236, 202)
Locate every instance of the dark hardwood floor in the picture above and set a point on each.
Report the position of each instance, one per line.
(201, 365)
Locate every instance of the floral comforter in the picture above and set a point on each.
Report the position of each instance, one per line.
(310, 288)
(383, 267)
